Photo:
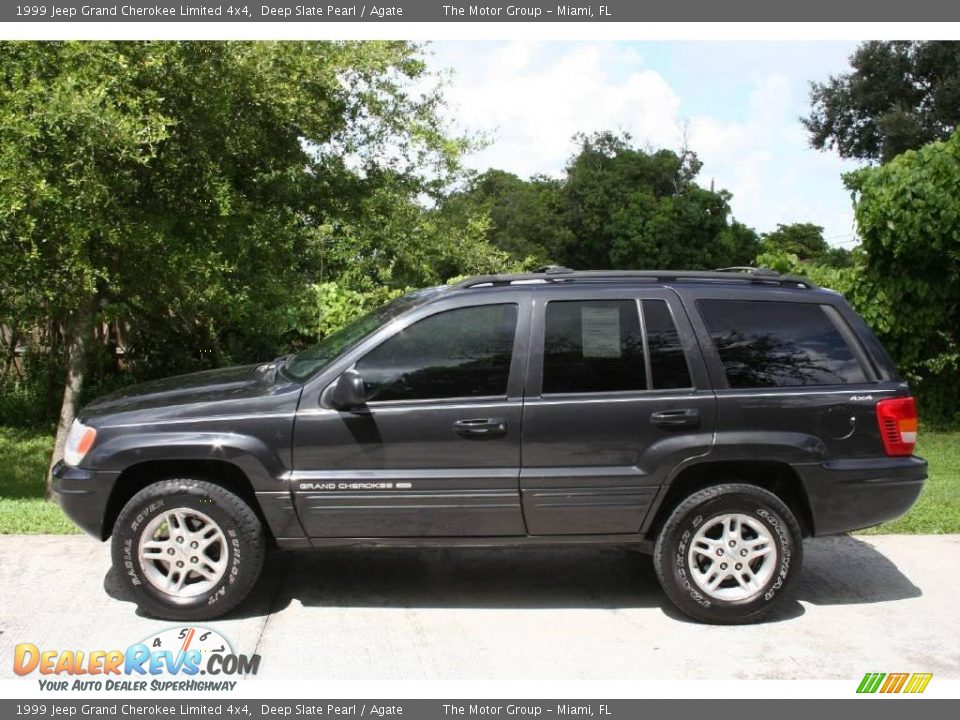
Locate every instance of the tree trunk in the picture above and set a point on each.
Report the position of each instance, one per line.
(53, 345)
(78, 332)
(10, 351)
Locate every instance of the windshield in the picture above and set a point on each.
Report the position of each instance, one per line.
(304, 364)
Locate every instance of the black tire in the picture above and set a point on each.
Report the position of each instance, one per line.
(242, 530)
(671, 556)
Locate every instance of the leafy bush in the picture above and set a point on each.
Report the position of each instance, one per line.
(27, 396)
(908, 214)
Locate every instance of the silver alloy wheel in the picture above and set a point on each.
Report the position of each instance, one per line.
(732, 557)
(183, 552)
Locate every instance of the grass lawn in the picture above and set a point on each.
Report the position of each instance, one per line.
(24, 455)
(938, 509)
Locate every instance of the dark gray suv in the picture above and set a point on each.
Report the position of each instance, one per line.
(713, 419)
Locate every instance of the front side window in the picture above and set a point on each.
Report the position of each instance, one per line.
(457, 353)
(780, 344)
(593, 346)
(313, 359)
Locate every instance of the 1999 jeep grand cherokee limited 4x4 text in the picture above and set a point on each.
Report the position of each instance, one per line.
(716, 419)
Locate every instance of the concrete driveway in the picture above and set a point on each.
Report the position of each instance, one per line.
(878, 602)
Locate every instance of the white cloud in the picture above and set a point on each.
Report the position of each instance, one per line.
(765, 162)
(529, 100)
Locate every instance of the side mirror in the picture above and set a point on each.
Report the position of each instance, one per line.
(350, 392)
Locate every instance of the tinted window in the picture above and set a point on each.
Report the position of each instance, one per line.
(304, 364)
(668, 364)
(457, 353)
(593, 346)
(776, 344)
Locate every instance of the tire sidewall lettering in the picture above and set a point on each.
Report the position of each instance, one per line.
(784, 550)
(234, 542)
(132, 570)
(783, 542)
(683, 571)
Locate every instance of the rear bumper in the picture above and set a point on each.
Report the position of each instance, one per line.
(83, 495)
(852, 494)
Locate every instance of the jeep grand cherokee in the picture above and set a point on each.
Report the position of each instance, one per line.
(713, 419)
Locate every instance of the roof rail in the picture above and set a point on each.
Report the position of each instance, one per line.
(558, 274)
(553, 270)
(751, 270)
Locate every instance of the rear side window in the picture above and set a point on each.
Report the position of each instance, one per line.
(668, 364)
(593, 346)
(457, 353)
(779, 344)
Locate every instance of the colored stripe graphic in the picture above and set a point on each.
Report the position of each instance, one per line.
(918, 683)
(870, 682)
(894, 682)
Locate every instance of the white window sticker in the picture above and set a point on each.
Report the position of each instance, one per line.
(600, 328)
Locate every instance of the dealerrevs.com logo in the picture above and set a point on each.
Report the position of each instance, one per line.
(179, 659)
(887, 683)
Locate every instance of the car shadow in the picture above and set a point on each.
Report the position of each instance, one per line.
(849, 570)
(838, 570)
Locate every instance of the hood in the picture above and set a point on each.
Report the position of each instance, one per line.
(227, 386)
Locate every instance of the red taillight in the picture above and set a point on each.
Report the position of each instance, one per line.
(898, 425)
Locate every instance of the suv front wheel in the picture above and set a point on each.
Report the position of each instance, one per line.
(729, 554)
(188, 549)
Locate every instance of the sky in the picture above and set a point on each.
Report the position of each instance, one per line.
(740, 103)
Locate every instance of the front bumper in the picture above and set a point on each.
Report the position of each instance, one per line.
(84, 495)
(857, 493)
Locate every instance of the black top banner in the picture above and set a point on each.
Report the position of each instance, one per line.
(48, 708)
(453, 11)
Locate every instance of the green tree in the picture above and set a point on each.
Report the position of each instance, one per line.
(524, 215)
(187, 188)
(898, 96)
(628, 208)
(908, 214)
(806, 242)
(393, 241)
(616, 206)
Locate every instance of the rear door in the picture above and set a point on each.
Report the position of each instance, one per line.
(436, 449)
(617, 397)
(792, 377)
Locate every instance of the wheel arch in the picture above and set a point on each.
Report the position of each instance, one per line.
(136, 477)
(776, 477)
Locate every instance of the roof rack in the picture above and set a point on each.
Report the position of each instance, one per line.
(559, 274)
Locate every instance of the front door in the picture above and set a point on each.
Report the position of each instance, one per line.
(435, 451)
(617, 397)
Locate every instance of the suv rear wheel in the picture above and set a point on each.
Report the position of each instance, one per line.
(728, 554)
(188, 549)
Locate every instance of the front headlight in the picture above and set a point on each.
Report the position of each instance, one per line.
(79, 442)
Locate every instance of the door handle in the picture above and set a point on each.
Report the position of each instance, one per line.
(676, 419)
(480, 427)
